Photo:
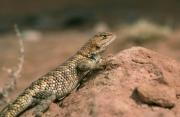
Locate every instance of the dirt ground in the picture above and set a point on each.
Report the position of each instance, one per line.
(46, 50)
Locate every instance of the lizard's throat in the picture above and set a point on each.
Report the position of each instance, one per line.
(89, 53)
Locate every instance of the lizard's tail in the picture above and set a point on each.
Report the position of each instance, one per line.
(18, 106)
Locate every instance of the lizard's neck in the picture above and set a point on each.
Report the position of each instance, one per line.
(74, 60)
(87, 50)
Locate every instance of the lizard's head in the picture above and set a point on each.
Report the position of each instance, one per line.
(98, 43)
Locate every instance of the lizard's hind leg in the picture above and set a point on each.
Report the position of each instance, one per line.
(43, 105)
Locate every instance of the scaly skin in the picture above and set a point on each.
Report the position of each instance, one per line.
(58, 83)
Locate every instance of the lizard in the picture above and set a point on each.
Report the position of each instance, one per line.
(61, 81)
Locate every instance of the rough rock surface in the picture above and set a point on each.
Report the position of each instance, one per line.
(112, 93)
(160, 95)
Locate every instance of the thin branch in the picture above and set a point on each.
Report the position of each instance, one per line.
(14, 74)
(17, 73)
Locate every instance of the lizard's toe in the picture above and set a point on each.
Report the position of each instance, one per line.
(38, 114)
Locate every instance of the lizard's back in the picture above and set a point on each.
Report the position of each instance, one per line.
(60, 81)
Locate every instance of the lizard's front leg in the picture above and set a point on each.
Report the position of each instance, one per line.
(95, 62)
(88, 66)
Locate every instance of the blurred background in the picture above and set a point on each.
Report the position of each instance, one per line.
(54, 29)
(66, 14)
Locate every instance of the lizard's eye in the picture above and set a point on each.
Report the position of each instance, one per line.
(104, 36)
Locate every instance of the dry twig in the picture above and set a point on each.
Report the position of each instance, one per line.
(14, 74)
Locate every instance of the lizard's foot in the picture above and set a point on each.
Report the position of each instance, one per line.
(38, 114)
(110, 63)
(59, 101)
(43, 106)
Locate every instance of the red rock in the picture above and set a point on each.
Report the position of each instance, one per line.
(160, 95)
(110, 94)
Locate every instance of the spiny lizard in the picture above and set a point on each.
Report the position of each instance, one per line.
(59, 82)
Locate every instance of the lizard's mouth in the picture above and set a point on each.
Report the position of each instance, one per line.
(108, 42)
(104, 47)
(111, 40)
